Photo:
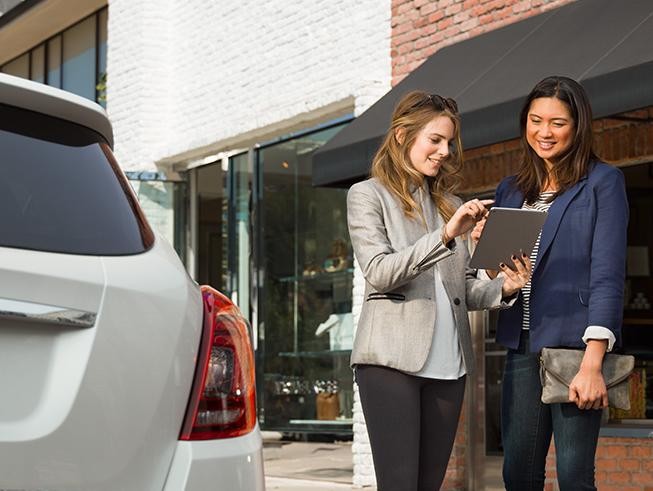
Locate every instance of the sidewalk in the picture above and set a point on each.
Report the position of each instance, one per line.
(304, 466)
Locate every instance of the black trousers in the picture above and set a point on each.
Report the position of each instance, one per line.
(411, 422)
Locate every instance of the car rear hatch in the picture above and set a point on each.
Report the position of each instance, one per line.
(99, 323)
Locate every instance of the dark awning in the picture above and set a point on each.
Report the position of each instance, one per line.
(606, 45)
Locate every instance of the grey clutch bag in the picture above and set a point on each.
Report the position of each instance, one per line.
(558, 367)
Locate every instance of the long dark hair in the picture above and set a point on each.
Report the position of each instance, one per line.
(574, 164)
(392, 166)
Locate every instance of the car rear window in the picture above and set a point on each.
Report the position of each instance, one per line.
(61, 190)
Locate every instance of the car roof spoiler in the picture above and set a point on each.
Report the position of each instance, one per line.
(41, 98)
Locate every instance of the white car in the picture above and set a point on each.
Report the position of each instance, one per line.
(117, 371)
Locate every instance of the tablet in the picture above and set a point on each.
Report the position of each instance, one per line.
(507, 231)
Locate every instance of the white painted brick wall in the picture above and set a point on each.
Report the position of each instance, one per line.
(363, 463)
(138, 79)
(187, 77)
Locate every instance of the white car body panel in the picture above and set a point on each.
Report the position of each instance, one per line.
(218, 465)
(41, 366)
(98, 353)
(99, 408)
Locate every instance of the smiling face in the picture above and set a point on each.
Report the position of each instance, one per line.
(431, 147)
(549, 128)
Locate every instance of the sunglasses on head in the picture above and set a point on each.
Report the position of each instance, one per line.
(439, 103)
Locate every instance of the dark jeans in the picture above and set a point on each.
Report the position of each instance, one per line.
(411, 422)
(527, 425)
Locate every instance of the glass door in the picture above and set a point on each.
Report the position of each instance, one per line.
(305, 275)
(212, 227)
(224, 192)
(240, 199)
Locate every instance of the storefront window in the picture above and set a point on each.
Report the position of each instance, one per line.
(38, 64)
(102, 23)
(79, 59)
(495, 357)
(164, 204)
(240, 197)
(74, 59)
(305, 274)
(18, 67)
(54, 62)
(637, 331)
(212, 228)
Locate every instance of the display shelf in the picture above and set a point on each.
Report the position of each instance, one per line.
(617, 430)
(318, 276)
(327, 422)
(314, 354)
(642, 353)
(635, 321)
(343, 428)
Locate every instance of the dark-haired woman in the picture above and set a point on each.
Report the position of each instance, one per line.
(575, 295)
(413, 347)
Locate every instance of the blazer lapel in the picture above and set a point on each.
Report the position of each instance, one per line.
(513, 200)
(446, 267)
(556, 212)
(430, 213)
(416, 226)
(434, 221)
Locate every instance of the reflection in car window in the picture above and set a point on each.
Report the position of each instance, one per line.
(61, 190)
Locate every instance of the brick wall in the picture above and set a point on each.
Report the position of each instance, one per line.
(187, 78)
(454, 479)
(422, 27)
(622, 464)
(624, 140)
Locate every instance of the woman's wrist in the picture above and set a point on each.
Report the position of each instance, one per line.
(508, 292)
(594, 353)
(445, 237)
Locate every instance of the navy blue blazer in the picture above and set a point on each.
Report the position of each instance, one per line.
(578, 277)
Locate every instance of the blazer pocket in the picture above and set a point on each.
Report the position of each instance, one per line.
(397, 297)
(584, 296)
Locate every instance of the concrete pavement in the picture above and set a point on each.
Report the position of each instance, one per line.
(287, 484)
(304, 466)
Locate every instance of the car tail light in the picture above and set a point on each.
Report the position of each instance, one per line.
(223, 398)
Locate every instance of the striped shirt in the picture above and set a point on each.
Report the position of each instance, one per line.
(542, 203)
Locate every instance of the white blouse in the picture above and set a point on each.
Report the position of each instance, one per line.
(445, 359)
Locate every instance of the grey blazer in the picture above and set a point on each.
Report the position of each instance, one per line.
(396, 255)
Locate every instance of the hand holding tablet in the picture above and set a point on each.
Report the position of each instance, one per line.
(507, 232)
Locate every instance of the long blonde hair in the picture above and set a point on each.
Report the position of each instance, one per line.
(392, 165)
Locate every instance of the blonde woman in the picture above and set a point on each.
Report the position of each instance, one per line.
(413, 348)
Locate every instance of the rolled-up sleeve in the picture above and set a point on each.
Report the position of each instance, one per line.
(599, 332)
